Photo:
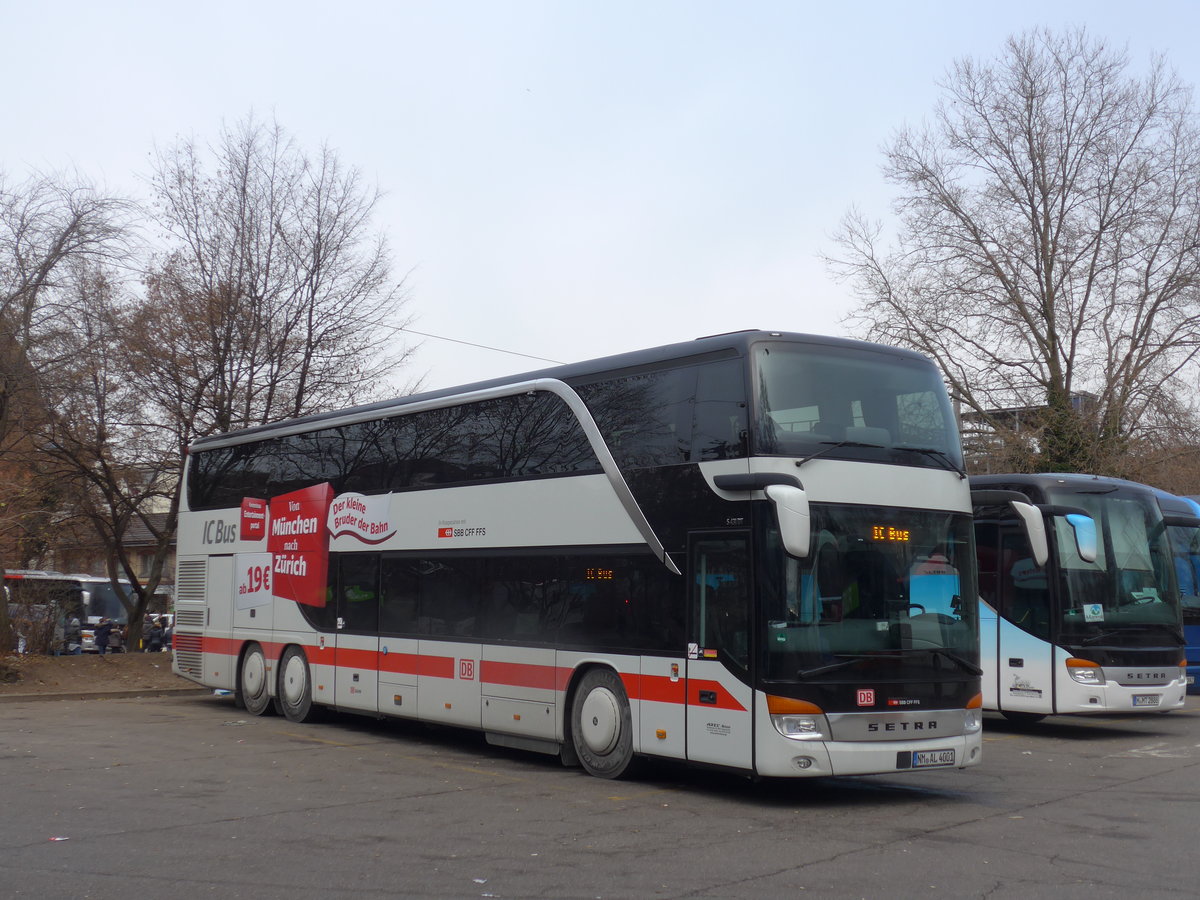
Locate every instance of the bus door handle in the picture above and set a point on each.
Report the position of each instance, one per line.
(709, 697)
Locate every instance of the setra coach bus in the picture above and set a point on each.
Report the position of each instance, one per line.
(1080, 599)
(750, 551)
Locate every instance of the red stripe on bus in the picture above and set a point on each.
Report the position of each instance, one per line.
(400, 663)
(349, 658)
(436, 666)
(224, 646)
(519, 674)
(660, 689)
(652, 688)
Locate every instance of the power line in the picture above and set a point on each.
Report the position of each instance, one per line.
(439, 337)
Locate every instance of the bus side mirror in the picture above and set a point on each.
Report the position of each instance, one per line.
(795, 525)
(1084, 529)
(1035, 530)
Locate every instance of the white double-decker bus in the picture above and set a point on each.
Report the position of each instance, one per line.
(750, 551)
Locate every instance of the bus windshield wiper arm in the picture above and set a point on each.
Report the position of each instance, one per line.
(1141, 626)
(940, 455)
(833, 445)
(843, 663)
(1097, 638)
(955, 658)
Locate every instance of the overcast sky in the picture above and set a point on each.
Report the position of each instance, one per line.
(563, 179)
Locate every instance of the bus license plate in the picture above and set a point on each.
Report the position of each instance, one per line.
(1145, 699)
(923, 759)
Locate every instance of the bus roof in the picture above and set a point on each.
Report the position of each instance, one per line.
(1044, 481)
(713, 346)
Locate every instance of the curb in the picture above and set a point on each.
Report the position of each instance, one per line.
(100, 695)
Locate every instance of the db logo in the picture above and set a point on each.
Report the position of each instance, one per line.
(466, 669)
(866, 698)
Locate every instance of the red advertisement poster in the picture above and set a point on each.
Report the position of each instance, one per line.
(254, 519)
(299, 543)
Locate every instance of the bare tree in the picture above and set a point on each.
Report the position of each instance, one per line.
(272, 299)
(279, 297)
(112, 462)
(47, 224)
(1047, 250)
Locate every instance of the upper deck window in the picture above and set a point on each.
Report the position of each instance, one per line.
(846, 403)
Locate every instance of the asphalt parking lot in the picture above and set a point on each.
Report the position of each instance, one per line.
(185, 796)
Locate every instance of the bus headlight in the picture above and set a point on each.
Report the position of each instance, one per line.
(973, 715)
(800, 728)
(797, 719)
(1085, 671)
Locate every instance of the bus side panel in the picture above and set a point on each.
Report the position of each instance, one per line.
(448, 683)
(988, 647)
(1024, 671)
(1191, 630)
(662, 705)
(322, 664)
(720, 715)
(398, 666)
(356, 676)
(518, 687)
(252, 611)
(220, 647)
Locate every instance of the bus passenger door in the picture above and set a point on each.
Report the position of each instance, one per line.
(1024, 655)
(719, 697)
(356, 650)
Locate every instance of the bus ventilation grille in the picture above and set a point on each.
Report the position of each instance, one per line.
(189, 618)
(188, 655)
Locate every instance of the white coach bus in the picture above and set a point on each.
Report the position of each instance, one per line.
(1080, 595)
(750, 551)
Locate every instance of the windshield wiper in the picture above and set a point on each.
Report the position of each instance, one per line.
(845, 662)
(1139, 626)
(833, 445)
(940, 455)
(954, 658)
(1097, 638)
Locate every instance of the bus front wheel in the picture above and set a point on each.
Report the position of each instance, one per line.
(295, 686)
(252, 683)
(602, 726)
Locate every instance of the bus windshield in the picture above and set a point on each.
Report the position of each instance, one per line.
(1131, 583)
(879, 583)
(1185, 545)
(859, 405)
(102, 601)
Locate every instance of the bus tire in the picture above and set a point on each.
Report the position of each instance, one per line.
(602, 726)
(252, 693)
(295, 686)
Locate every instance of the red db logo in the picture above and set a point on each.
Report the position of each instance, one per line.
(866, 698)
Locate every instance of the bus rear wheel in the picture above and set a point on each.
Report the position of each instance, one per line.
(602, 726)
(295, 687)
(252, 681)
